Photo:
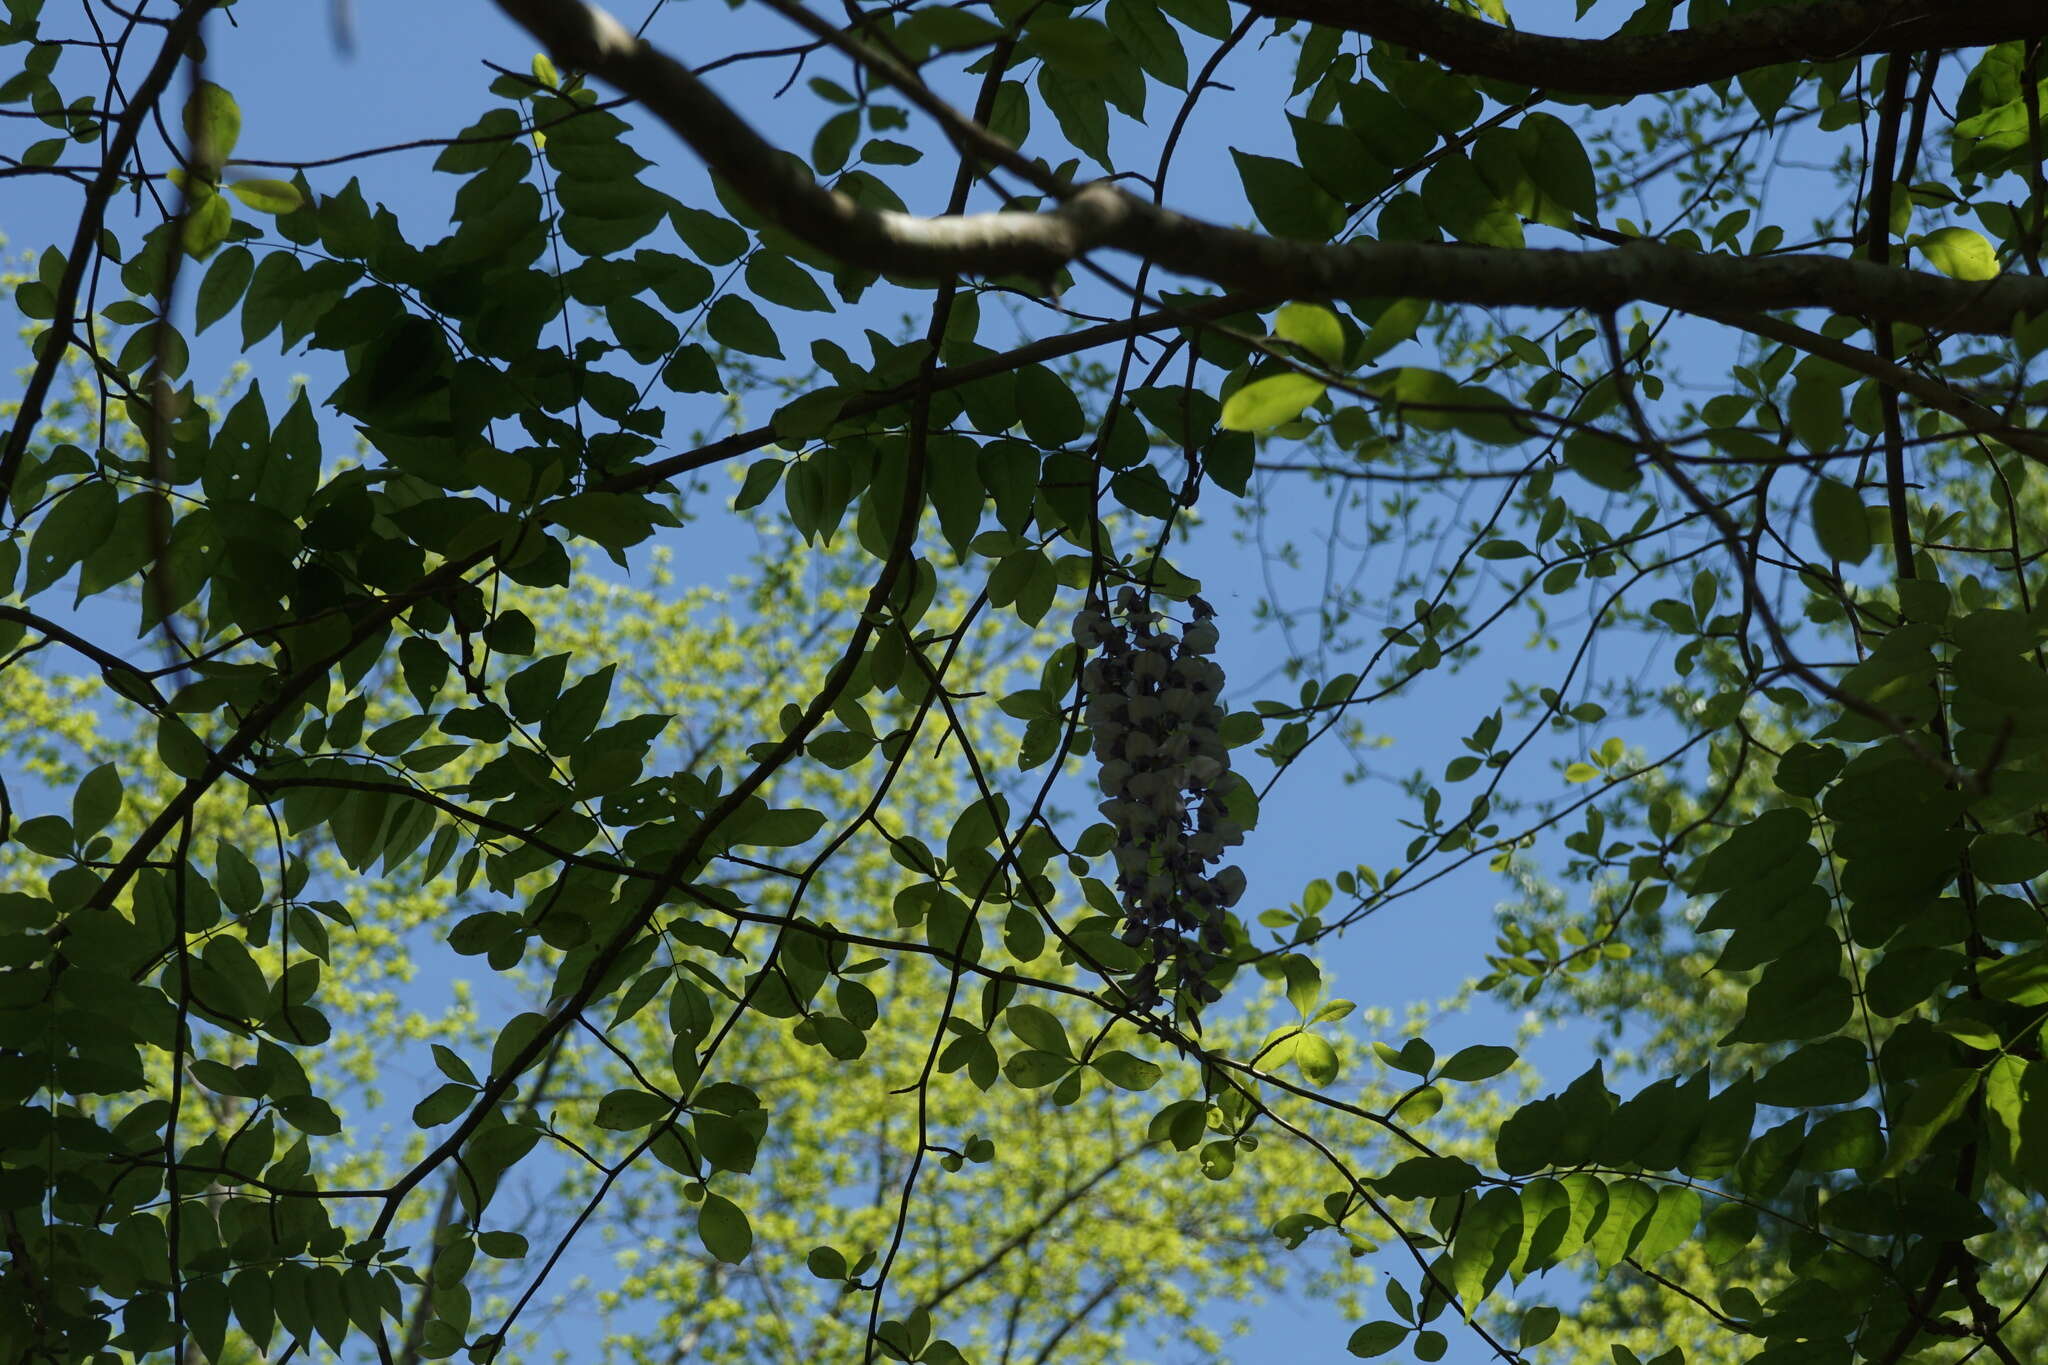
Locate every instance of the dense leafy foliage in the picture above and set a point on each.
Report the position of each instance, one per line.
(412, 877)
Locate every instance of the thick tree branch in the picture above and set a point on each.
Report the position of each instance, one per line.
(1101, 215)
(1643, 63)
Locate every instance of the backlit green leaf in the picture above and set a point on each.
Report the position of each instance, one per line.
(1315, 329)
(213, 124)
(268, 196)
(1267, 403)
(1960, 253)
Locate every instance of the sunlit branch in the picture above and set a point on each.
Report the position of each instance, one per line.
(1101, 215)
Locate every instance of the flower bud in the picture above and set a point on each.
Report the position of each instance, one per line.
(1106, 708)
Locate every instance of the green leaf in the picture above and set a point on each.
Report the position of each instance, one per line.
(451, 1064)
(782, 828)
(1143, 32)
(1315, 329)
(1050, 410)
(778, 279)
(692, 370)
(1338, 160)
(96, 801)
(68, 531)
(309, 1114)
(213, 124)
(1936, 1102)
(1267, 403)
(646, 334)
(1039, 1029)
(1850, 1140)
(1834, 1071)
(1840, 523)
(1457, 195)
(833, 142)
(1800, 995)
(1630, 1206)
(1127, 1072)
(627, 1110)
(1546, 1218)
(1416, 1056)
(181, 750)
(762, 476)
(1670, 1224)
(1428, 1177)
(1079, 108)
(1478, 1063)
(2021, 978)
(1730, 1228)
(1035, 1070)
(207, 220)
(1396, 324)
(2016, 1101)
(1422, 1106)
(1558, 163)
(503, 1246)
(734, 322)
(2007, 858)
(1960, 253)
(222, 288)
(447, 1102)
(1210, 18)
(1602, 461)
(1377, 1338)
(714, 240)
(723, 1228)
(730, 1142)
(1078, 48)
(268, 196)
(1538, 1325)
(1489, 1236)
(1315, 1059)
(1805, 768)
(1816, 412)
(1287, 199)
(205, 1304)
(250, 1297)
(882, 151)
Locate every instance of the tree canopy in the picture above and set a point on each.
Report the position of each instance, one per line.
(685, 757)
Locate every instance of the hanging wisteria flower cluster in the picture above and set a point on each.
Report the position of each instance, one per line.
(1154, 706)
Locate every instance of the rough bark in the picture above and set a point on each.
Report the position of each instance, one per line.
(1643, 63)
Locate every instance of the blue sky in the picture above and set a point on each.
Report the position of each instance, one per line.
(415, 71)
